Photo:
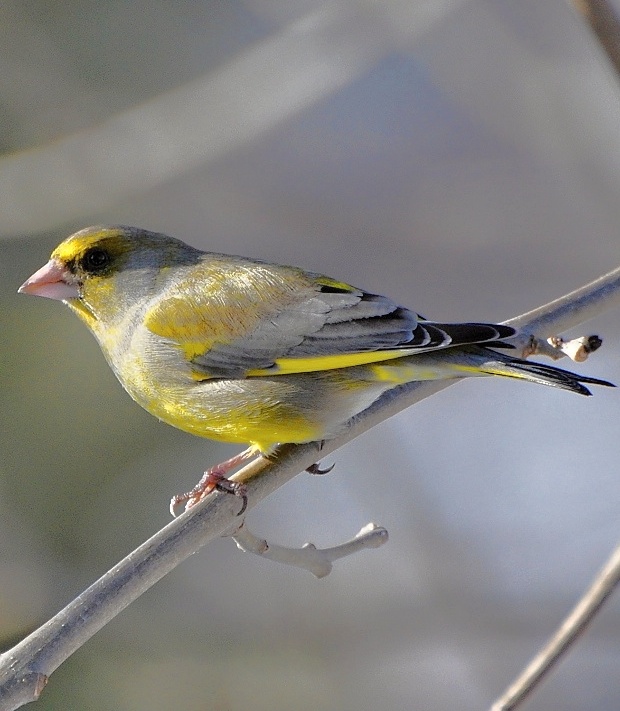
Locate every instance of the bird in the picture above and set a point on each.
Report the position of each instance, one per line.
(250, 352)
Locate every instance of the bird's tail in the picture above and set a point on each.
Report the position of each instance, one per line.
(539, 373)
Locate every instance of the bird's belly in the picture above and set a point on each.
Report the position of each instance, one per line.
(219, 414)
(262, 411)
(242, 411)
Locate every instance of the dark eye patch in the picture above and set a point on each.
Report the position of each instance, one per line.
(95, 260)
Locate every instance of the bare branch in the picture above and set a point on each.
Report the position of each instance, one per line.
(605, 24)
(576, 622)
(24, 669)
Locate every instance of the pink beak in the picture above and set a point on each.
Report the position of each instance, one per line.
(52, 282)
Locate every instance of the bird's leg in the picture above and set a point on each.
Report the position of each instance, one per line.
(215, 479)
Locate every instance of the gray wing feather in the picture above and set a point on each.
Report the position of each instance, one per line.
(337, 322)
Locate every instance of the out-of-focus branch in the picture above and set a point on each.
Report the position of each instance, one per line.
(605, 24)
(25, 668)
(576, 622)
(177, 131)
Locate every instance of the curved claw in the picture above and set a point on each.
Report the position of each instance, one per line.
(316, 469)
(236, 488)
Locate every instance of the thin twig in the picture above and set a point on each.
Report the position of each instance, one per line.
(576, 622)
(25, 668)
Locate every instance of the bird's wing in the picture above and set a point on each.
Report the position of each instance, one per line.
(249, 319)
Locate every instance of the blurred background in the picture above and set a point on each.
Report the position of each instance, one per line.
(459, 155)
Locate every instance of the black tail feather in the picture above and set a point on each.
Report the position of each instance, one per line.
(550, 375)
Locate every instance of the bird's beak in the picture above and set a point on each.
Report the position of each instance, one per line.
(52, 281)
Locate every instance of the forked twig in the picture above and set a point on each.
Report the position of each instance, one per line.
(317, 561)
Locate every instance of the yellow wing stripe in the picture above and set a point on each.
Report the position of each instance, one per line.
(289, 366)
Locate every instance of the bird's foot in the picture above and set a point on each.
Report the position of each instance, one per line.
(215, 479)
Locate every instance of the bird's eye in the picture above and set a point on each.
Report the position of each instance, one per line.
(95, 260)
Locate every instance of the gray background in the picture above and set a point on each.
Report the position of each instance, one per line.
(460, 156)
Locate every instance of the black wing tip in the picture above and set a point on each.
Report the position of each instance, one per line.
(471, 333)
(505, 331)
(597, 381)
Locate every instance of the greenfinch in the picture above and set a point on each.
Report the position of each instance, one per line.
(245, 351)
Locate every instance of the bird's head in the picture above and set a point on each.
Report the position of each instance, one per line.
(100, 272)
